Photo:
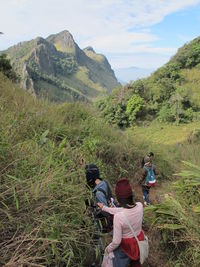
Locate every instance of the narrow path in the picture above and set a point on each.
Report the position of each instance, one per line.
(157, 258)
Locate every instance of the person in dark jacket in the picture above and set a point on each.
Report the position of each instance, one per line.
(101, 193)
(100, 188)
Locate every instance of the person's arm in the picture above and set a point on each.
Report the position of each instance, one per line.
(117, 235)
(112, 211)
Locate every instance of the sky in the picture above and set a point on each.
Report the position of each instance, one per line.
(140, 33)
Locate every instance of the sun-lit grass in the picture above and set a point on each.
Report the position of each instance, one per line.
(164, 134)
(43, 150)
(97, 57)
(82, 75)
(177, 218)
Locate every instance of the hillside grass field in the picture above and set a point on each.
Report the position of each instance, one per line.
(43, 150)
(175, 210)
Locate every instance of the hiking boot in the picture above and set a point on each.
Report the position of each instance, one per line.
(146, 204)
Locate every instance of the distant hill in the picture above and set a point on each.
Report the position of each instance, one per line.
(57, 68)
(170, 94)
(132, 74)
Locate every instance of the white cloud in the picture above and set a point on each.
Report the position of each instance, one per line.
(120, 42)
(148, 60)
(150, 12)
(107, 25)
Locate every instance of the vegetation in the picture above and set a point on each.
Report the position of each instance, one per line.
(168, 95)
(177, 218)
(43, 150)
(45, 146)
(6, 68)
(71, 73)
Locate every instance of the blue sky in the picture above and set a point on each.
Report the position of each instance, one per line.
(179, 27)
(137, 33)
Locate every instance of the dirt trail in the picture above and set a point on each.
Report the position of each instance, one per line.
(156, 193)
(157, 258)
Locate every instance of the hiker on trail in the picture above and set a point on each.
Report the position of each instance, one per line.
(150, 155)
(148, 178)
(101, 193)
(123, 249)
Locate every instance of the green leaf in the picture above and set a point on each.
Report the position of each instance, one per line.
(171, 226)
(43, 137)
(196, 209)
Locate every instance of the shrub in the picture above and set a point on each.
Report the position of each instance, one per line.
(6, 68)
(134, 107)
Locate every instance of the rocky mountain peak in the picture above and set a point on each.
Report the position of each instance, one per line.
(63, 41)
(59, 69)
(89, 49)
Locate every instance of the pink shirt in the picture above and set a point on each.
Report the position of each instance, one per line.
(121, 228)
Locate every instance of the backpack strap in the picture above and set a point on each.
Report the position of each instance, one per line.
(109, 190)
(129, 225)
(147, 174)
(152, 167)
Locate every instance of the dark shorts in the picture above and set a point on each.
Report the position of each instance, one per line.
(122, 260)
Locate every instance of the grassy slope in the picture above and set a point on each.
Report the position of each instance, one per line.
(171, 143)
(43, 150)
(176, 217)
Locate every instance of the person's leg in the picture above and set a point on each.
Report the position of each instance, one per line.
(145, 192)
(120, 259)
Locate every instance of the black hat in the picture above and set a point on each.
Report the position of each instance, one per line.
(92, 173)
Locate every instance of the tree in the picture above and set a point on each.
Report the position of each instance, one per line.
(176, 101)
(134, 106)
(6, 68)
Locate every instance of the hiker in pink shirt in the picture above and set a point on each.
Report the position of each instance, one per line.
(124, 245)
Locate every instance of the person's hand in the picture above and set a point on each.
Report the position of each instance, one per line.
(100, 205)
(106, 250)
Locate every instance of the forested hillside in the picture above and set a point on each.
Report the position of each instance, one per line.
(170, 94)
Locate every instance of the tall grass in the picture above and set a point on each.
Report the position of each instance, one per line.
(43, 150)
(178, 218)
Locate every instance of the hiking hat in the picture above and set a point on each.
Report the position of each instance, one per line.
(123, 189)
(151, 154)
(92, 173)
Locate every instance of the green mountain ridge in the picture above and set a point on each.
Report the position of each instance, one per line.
(170, 94)
(57, 68)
